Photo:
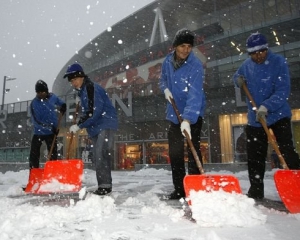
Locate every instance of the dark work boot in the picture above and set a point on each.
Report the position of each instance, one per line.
(256, 191)
(102, 191)
(176, 195)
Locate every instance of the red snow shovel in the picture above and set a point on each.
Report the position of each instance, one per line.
(205, 182)
(57, 175)
(36, 175)
(287, 181)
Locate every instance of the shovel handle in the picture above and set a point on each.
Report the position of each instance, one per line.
(187, 136)
(72, 134)
(55, 136)
(263, 123)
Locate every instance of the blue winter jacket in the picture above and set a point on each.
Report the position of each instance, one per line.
(98, 113)
(269, 85)
(44, 114)
(186, 86)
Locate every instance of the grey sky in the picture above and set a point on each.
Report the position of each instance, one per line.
(39, 36)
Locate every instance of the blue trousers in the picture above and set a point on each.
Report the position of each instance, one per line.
(103, 144)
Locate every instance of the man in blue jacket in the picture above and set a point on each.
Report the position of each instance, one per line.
(44, 120)
(267, 77)
(99, 117)
(182, 79)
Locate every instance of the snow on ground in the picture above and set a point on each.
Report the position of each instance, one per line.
(135, 210)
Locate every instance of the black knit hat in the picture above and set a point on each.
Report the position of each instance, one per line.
(41, 86)
(183, 36)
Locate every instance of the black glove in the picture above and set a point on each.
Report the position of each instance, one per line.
(63, 109)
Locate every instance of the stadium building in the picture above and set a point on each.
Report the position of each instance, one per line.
(126, 60)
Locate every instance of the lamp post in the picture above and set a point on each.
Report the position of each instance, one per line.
(4, 89)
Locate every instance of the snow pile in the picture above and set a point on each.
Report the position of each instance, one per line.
(54, 220)
(221, 209)
(149, 204)
(54, 186)
(136, 209)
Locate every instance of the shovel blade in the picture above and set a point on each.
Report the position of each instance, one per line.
(208, 183)
(36, 176)
(67, 173)
(288, 186)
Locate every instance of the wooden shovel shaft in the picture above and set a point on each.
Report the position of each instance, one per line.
(199, 165)
(263, 123)
(55, 136)
(72, 134)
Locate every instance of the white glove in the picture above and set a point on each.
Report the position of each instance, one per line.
(262, 112)
(77, 99)
(74, 128)
(168, 94)
(185, 125)
(240, 81)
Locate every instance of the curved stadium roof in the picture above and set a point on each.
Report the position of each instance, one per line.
(219, 22)
(135, 32)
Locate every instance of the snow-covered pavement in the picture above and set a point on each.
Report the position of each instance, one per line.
(135, 211)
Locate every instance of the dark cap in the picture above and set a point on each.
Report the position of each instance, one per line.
(41, 86)
(73, 71)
